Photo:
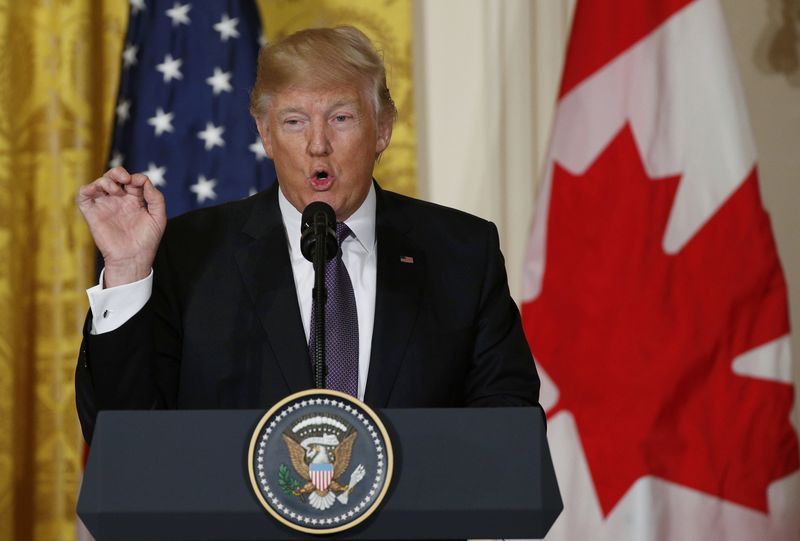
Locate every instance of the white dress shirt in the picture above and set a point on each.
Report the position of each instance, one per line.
(359, 255)
(114, 306)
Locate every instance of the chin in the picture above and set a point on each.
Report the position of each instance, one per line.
(324, 197)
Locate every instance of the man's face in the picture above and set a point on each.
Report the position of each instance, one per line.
(323, 143)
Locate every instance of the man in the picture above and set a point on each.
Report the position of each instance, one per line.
(223, 318)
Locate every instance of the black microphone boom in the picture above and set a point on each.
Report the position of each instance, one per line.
(319, 244)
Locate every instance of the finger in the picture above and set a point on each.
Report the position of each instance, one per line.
(88, 191)
(109, 186)
(136, 186)
(136, 192)
(118, 174)
(99, 188)
(138, 179)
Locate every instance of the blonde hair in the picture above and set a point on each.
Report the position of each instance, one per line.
(320, 58)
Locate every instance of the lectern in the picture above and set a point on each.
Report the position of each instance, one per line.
(182, 475)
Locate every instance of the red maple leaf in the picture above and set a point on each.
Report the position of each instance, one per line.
(640, 343)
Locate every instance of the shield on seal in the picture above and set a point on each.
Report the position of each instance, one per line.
(321, 475)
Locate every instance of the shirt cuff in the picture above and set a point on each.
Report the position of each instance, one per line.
(114, 306)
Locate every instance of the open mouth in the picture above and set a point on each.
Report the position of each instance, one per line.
(321, 179)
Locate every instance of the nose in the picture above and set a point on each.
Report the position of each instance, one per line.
(319, 143)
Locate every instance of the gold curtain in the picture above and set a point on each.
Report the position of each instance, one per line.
(58, 77)
(59, 67)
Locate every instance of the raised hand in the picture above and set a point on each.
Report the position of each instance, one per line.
(126, 215)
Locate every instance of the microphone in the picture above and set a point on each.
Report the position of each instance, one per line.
(318, 229)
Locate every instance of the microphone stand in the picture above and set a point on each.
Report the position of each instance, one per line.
(319, 244)
(320, 297)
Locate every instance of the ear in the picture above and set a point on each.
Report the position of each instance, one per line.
(384, 136)
(262, 123)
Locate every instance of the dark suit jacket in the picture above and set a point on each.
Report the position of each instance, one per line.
(223, 330)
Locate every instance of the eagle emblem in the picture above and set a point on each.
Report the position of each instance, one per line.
(320, 448)
(320, 461)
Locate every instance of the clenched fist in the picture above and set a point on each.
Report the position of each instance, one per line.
(126, 216)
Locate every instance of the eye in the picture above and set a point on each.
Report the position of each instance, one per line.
(341, 118)
(293, 123)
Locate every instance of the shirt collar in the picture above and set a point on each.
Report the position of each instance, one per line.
(361, 223)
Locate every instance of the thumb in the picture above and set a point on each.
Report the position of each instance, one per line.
(156, 205)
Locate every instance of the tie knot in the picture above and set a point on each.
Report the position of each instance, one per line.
(342, 231)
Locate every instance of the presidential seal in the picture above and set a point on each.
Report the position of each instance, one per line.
(320, 461)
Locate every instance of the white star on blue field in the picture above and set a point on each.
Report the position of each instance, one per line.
(182, 113)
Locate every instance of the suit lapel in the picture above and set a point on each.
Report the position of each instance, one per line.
(400, 277)
(267, 274)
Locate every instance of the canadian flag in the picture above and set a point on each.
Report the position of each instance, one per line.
(654, 300)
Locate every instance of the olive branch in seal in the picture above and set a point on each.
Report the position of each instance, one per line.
(288, 483)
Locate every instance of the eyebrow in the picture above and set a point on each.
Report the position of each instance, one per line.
(338, 103)
(289, 110)
(344, 101)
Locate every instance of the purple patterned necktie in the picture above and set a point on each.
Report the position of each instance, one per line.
(341, 324)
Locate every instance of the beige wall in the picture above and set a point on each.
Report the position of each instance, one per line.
(768, 55)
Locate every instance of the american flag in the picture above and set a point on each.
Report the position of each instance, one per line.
(182, 111)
